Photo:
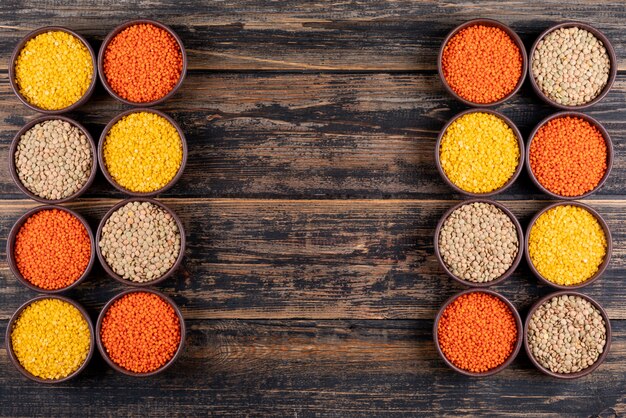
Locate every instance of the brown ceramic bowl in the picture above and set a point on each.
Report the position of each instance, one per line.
(609, 49)
(168, 273)
(16, 362)
(605, 262)
(583, 372)
(520, 143)
(13, 169)
(103, 166)
(120, 369)
(18, 49)
(520, 240)
(518, 345)
(11, 246)
(491, 23)
(120, 28)
(609, 156)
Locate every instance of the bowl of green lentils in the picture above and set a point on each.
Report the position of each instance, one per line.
(567, 334)
(572, 65)
(53, 159)
(140, 242)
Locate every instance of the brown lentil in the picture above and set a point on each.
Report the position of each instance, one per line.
(571, 66)
(566, 334)
(478, 242)
(140, 241)
(53, 159)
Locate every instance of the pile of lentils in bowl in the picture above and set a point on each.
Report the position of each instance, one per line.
(478, 242)
(567, 334)
(571, 66)
(140, 241)
(53, 159)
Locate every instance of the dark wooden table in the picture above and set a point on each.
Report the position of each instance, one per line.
(309, 284)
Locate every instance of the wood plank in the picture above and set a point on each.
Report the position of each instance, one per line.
(317, 259)
(314, 135)
(329, 368)
(319, 36)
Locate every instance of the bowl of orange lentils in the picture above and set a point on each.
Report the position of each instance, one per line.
(482, 63)
(140, 332)
(51, 249)
(478, 332)
(569, 155)
(142, 62)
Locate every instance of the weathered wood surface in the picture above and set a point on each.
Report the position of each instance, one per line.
(310, 198)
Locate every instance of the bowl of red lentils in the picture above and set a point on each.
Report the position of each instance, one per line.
(140, 332)
(53, 70)
(567, 334)
(140, 242)
(142, 152)
(482, 63)
(568, 245)
(479, 153)
(142, 62)
(53, 159)
(572, 66)
(51, 249)
(478, 333)
(478, 242)
(50, 339)
(569, 155)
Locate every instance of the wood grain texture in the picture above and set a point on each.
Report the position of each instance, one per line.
(374, 35)
(319, 259)
(315, 135)
(320, 368)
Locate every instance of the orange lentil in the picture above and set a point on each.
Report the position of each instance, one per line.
(140, 332)
(477, 332)
(52, 249)
(143, 63)
(568, 156)
(482, 64)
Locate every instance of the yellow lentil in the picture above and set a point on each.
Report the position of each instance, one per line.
(51, 338)
(479, 152)
(53, 70)
(143, 152)
(567, 245)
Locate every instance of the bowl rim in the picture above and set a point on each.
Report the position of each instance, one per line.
(103, 351)
(516, 260)
(105, 170)
(607, 141)
(607, 235)
(168, 273)
(13, 168)
(518, 323)
(13, 357)
(610, 52)
(483, 22)
(18, 48)
(520, 144)
(583, 372)
(10, 247)
(117, 30)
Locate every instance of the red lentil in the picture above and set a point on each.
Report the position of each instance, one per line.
(140, 332)
(477, 332)
(143, 63)
(52, 249)
(482, 64)
(568, 156)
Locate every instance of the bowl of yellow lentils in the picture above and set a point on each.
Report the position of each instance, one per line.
(50, 339)
(53, 70)
(568, 245)
(479, 153)
(142, 152)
